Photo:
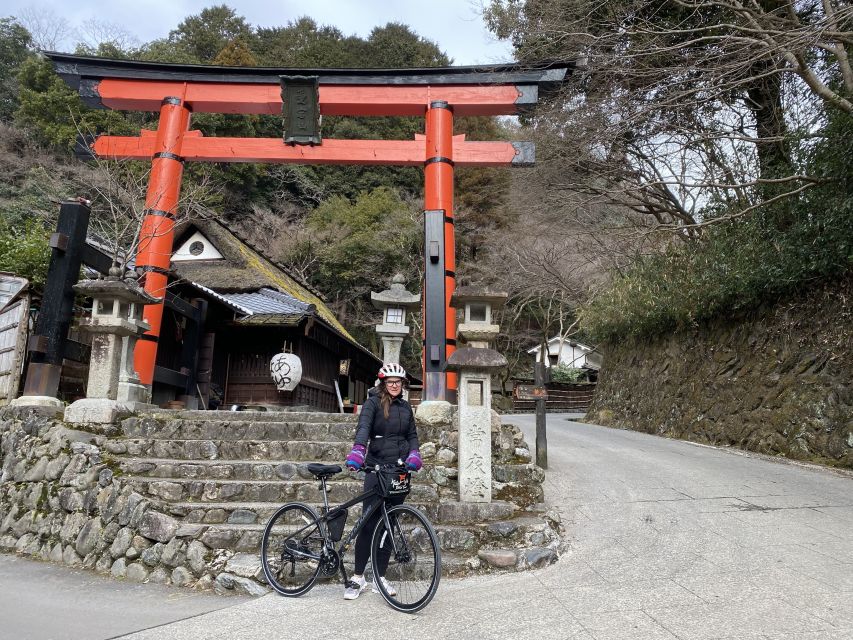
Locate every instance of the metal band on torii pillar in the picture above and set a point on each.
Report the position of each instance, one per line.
(157, 232)
(438, 195)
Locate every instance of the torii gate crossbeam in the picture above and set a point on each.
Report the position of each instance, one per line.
(436, 94)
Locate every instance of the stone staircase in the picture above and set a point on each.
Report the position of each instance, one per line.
(224, 477)
(182, 497)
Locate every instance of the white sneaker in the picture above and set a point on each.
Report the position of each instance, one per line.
(355, 587)
(389, 588)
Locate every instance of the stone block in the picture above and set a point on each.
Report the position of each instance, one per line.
(151, 556)
(247, 565)
(197, 557)
(434, 413)
(45, 405)
(181, 576)
(158, 526)
(121, 543)
(226, 582)
(37, 472)
(119, 568)
(70, 557)
(499, 558)
(56, 466)
(537, 558)
(137, 572)
(94, 411)
(89, 537)
(71, 527)
(242, 516)
(160, 576)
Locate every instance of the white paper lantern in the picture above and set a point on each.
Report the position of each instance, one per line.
(286, 370)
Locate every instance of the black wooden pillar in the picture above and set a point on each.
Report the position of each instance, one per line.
(49, 343)
(435, 303)
(190, 353)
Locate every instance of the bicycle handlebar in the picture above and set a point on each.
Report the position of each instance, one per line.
(400, 466)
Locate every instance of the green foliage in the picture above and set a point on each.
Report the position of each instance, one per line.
(204, 36)
(363, 243)
(565, 373)
(743, 263)
(54, 112)
(14, 49)
(24, 251)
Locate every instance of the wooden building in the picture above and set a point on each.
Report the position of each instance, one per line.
(252, 309)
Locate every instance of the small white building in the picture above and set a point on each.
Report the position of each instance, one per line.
(569, 353)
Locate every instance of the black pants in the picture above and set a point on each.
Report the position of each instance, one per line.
(364, 537)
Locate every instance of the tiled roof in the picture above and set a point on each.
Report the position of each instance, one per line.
(269, 301)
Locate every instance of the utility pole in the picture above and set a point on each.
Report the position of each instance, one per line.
(541, 439)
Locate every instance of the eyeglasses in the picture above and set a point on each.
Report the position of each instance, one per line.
(396, 383)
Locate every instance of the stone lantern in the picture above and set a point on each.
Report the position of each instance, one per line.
(394, 302)
(116, 323)
(475, 363)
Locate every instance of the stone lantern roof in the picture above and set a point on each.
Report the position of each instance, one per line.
(476, 293)
(475, 359)
(396, 296)
(115, 288)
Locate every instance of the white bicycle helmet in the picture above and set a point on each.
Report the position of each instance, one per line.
(391, 370)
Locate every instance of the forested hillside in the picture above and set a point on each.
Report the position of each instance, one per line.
(697, 165)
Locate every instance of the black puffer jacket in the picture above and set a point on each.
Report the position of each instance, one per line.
(387, 439)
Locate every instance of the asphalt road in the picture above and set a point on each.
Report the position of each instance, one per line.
(44, 601)
(666, 540)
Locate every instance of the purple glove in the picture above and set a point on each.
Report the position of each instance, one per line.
(355, 459)
(413, 462)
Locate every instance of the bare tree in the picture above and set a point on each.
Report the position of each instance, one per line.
(686, 107)
(93, 34)
(48, 31)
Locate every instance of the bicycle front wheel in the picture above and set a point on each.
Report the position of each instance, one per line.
(407, 557)
(291, 549)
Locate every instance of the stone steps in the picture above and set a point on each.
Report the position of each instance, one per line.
(246, 537)
(176, 449)
(218, 490)
(290, 429)
(447, 512)
(238, 469)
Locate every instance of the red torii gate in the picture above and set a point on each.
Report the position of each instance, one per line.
(437, 94)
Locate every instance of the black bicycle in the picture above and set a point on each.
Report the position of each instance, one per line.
(299, 544)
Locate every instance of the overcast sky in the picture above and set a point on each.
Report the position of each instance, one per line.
(455, 25)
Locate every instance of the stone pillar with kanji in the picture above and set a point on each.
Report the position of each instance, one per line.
(475, 363)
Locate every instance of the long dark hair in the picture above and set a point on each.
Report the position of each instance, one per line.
(385, 398)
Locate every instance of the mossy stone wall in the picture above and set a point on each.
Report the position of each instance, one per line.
(778, 381)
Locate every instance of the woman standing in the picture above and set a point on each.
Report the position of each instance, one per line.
(386, 433)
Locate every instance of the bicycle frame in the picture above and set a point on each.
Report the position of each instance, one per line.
(328, 544)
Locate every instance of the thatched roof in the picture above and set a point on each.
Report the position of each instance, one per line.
(243, 268)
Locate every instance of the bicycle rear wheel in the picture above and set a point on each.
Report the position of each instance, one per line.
(291, 549)
(413, 559)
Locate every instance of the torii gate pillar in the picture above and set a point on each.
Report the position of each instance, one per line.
(439, 317)
(156, 234)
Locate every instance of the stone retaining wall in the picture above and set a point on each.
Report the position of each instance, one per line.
(66, 497)
(778, 381)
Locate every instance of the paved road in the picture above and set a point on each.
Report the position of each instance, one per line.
(667, 540)
(43, 601)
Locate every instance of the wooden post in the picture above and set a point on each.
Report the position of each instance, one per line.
(541, 440)
(190, 353)
(49, 342)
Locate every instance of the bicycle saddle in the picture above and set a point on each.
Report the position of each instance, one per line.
(324, 470)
